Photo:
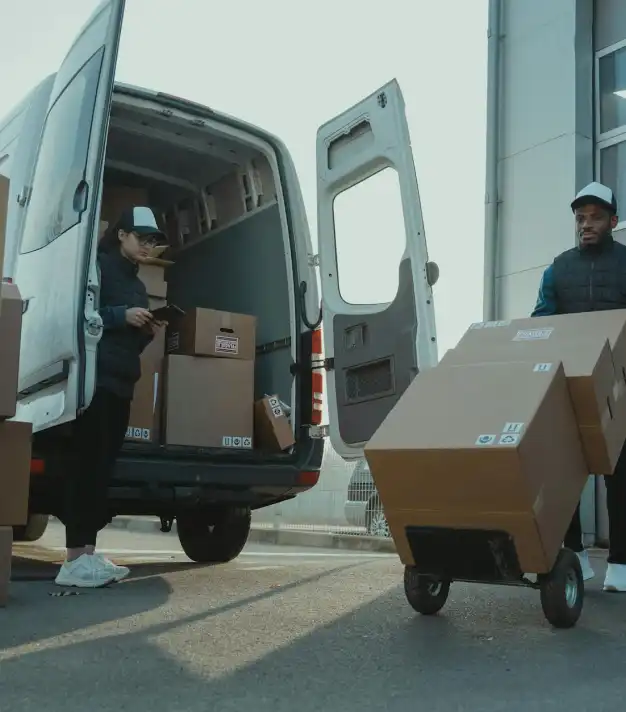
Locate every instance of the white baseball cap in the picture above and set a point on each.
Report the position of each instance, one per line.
(598, 194)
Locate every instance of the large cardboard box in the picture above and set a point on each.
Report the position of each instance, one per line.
(480, 447)
(10, 339)
(153, 276)
(209, 402)
(117, 198)
(599, 404)
(272, 429)
(208, 332)
(6, 551)
(145, 411)
(15, 457)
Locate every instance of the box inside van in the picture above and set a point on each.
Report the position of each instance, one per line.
(215, 198)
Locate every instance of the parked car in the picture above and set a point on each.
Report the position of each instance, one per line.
(363, 507)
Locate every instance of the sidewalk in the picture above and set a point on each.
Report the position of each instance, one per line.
(280, 536)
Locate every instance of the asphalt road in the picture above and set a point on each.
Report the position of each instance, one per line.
(283, 630)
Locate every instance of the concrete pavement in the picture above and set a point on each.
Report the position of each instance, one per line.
(286, 629)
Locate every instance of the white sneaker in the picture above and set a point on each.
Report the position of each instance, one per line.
(585, 565)
(119, 572)
(84, 572)
(615, 580)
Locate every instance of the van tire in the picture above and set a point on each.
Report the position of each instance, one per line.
(33, 530)
(216, 537)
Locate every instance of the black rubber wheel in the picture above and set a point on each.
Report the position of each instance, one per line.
(214, 538)
(563, 591)
(33, 530)
(426, 595)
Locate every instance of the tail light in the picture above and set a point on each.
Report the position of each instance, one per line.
(317, 378)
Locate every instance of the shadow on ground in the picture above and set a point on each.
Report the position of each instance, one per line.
(490, 650)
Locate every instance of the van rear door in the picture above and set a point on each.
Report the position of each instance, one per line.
(56, 271)
(377, 301)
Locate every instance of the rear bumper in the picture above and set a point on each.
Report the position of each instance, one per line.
(149, 484)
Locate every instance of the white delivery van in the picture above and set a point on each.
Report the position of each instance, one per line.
(245, 248)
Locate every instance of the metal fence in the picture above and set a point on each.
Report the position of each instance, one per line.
(344, 501)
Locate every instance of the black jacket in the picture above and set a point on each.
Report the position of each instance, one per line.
(120, 347)
(584, 280)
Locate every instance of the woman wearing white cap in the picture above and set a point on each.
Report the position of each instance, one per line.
(100, 431)
(587, 278)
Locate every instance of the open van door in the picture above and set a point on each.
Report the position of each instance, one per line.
(56, 269)
(377, 302)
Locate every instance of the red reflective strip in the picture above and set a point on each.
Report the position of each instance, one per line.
(37, 467)
(316, 342)
(308, 479)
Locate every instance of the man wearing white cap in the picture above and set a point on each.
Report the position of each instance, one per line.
(586, 278)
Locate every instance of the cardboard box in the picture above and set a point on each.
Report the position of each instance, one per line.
(209, 402)
(15, 456)
(599, 406)
(565, 328)
(10, 341)
(153, 276)
(117, 198)
(595, 377)
(272, 429)
(144, 424)
(4, 210)
(208, 332)
(6, 552)
(489, 446)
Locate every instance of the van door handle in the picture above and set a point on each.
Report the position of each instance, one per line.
(26, 304)
(81, 195)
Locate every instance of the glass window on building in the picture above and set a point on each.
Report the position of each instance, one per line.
(611, 122)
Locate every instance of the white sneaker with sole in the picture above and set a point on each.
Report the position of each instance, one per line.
(119, 572)
(84, 572)
(615, 580)
(585, 565)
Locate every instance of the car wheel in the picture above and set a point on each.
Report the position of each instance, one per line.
(33, 530)
(375, 520)
(216, 537)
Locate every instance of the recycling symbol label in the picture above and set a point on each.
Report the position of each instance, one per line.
(509, 439)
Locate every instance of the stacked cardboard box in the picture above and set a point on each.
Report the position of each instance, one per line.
(501, 437)
(272, 429)
(209, 389)
(145, 413)
(15, 437)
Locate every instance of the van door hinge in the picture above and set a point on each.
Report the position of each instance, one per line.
(318, 432)
(314, 260)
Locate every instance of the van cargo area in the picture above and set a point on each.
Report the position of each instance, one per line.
(216, 200)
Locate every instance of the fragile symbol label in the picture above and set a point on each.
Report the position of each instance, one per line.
(509, 439)
(542, 367)
(485, 440)
(533, 334)
(513, 427)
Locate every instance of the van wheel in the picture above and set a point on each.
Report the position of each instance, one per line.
(33, 530)
(214, 537)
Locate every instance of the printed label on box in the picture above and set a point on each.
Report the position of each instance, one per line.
(237, 441)
(509, 439)
(277, 410)
(533, 334)
(542, 367)
(485, 440)
(173, 341)
(138, 433)
(226, 344)
(513, 428)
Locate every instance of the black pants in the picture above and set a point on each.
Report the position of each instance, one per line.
(616, 505)
(97, 439)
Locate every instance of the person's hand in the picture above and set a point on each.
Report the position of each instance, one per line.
(138, 317)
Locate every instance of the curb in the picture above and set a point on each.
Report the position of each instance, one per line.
(280, 536)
